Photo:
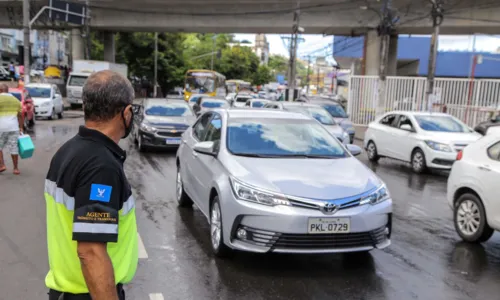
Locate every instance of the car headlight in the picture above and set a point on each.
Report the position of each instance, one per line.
(45, 104)
(148, 128)
(381, 194)
(247, 193)
(438, 146)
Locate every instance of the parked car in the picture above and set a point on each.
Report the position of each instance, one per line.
(256, 103)
(471, 191)
(48, 100)
(316, 112)
(483, 127)
(175, 94)
(159, 123)
(339, 115)
(28, 107)
(262, 189)
(209, 103)
(194, 98)
(423, 139)
(240, 100)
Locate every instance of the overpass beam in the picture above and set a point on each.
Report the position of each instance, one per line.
(371, 59)
(77, 45)
(109, 46)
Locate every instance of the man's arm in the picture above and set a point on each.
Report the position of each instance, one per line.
(97, 203)
(97, 270)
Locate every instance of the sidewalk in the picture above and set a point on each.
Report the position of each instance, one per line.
(360, 132)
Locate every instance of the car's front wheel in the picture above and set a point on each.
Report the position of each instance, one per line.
(183, 199)
(216, 230)
(470, 219)
(418, 163)
(53, 114)
(371, 151)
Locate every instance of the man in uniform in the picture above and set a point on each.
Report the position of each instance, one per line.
(91, 223)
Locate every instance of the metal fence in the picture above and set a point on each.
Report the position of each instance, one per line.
(472, 101)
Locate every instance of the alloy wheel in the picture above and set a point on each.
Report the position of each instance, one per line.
(215, 226)
(418, 161)
(468, 217)
(371, 150)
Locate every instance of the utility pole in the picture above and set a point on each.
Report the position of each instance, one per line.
(293, 53)
(308, 76)
(437, 19)
(317, 80)
(213, 52)
(26, 41)
(385, 29)
(156, 66)
(87, 30)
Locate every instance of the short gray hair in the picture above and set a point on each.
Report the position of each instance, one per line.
(105, 94)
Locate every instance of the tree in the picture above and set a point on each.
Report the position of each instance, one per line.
(262, 76)
(278, 65)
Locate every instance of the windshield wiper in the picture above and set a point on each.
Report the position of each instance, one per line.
(254, 155)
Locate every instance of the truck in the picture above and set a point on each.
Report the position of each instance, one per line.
(82, 69)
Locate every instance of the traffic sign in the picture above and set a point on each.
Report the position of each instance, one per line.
(67, 12)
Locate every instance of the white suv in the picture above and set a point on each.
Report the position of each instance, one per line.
(472, 192)
(425, 140)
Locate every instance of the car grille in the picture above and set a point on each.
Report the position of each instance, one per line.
(170, 134)
(459, 147)
(287, 241)
(312, 205)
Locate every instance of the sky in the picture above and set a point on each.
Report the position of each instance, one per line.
(313, 42)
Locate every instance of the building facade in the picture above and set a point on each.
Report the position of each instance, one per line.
(260, 47)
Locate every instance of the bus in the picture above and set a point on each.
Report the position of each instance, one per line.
(237, 85)
(205, 82)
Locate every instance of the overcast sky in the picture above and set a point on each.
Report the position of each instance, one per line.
(314, 42)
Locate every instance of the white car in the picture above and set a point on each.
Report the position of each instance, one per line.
(472, 192)
(425, 140)
(241, 100)
(47, 99)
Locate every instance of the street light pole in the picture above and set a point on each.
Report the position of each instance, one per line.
(156, 66)
(308, 70)
(26, 40)
(437, 19)
(293, 53)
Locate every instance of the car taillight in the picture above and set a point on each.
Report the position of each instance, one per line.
(459, 155)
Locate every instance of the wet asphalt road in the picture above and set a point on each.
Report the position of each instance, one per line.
(425, 261)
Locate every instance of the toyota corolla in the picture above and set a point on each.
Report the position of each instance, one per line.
(278, 181)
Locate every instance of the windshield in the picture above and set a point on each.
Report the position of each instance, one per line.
(242, 99)
(318, 113)
(335, 110)
(258, 103)
(231, 87)
(17, 95)
(441, 123)
(39, 92)
(214, 104)
(281, 138)
(75, 80)
(200, 85)
(168, 109)
(194, 99)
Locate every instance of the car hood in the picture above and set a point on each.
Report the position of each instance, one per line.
(170, 121)
(38, 100)
(451, 137)
(344, 122)
(322, 179)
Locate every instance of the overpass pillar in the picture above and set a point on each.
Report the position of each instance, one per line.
(77, 45)
(109, 46)
(371, 57)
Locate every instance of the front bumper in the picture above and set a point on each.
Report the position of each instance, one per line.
(74, 100)
(439, 159)
(284, 229)
(159, 139)
(43, 111)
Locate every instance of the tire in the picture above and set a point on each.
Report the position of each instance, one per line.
(53, 115)
(182, 198)
(74, 106)
(216, 231)
(467, 213)
(418, 164)
(61, 114)
(371, 152)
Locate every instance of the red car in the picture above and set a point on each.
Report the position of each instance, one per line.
(28, 106)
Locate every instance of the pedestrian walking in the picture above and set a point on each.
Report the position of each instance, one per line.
(11, 125)
(89, 200)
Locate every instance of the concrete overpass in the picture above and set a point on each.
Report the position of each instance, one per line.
(338, 17)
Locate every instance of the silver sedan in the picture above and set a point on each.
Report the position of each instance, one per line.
(277, 181)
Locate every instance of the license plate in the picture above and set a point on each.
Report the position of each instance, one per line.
(174, 141)
(329, 225)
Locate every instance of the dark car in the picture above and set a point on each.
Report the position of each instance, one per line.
(483, 127)
(161, 122)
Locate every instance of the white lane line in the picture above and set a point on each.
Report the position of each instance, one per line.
(142, 249)
(156, 297)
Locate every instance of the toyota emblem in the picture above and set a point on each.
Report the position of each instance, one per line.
(329, 208)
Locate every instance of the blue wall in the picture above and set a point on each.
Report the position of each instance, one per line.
(449, 63)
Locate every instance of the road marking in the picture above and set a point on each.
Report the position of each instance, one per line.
(142, 249)
(156, 296)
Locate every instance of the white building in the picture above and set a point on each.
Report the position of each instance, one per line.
(260, 47)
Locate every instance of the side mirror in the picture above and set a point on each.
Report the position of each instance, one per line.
(205, 148)
(353, 149)
(406, 127)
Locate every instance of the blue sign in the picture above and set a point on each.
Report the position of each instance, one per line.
(100, 192)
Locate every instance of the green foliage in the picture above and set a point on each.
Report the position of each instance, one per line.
(262, 76)
(278, 64)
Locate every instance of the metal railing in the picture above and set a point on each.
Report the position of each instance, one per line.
(472, 101)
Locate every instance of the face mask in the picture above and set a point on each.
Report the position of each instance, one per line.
(130, 126)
